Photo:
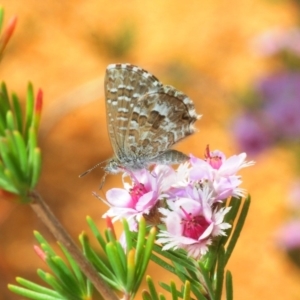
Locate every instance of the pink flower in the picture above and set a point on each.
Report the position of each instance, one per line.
(219, 173)
(140, 197)
(185, 202)
(192, 224)
(254, 132)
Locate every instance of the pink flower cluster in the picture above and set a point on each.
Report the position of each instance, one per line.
(188, 201)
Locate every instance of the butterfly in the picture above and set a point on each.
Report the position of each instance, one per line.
(144, 119)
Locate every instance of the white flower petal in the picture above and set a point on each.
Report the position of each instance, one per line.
(118, 197)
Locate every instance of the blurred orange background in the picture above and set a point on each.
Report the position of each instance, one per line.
(200, 47)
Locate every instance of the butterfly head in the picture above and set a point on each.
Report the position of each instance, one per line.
(113, 167)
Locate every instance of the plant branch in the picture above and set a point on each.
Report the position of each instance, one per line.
(56, 228)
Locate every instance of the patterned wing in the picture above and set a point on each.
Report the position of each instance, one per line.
(159, 120)
(124, 85)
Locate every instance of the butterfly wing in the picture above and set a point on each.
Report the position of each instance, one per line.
(124, 85)
(159, 120)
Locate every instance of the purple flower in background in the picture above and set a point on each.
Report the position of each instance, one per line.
(252, 133)
(277, 116)
(281, 95)
(275, 108)
(276, 86)
(288, 239)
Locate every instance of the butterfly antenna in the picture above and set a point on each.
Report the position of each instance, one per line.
(91, 169)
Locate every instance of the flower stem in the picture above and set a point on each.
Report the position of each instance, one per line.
(45, 214)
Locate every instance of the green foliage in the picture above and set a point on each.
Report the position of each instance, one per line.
(123, 270)
(1, 17)
(66, 281)
(20, 156)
